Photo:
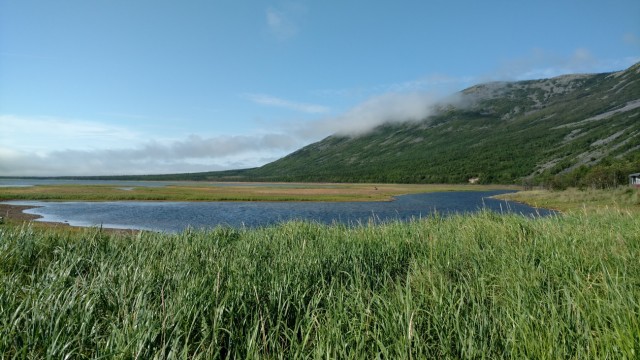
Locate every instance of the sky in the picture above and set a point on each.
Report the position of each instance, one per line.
(111, 87)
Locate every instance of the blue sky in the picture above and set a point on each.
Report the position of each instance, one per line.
(157, 86)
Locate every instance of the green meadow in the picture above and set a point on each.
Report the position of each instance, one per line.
(572, 199)
(190, 191)
(468, 286)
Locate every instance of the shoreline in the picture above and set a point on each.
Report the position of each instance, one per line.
(14, 214)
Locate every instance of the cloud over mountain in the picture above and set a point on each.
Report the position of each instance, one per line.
(377, 110)
(78, 147)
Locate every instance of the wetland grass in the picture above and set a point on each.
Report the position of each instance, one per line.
(246, 192)
(623, 197)
(469, 286)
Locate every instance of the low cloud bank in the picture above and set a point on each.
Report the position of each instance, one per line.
(378, 110)
(195, 146)
(192, 154)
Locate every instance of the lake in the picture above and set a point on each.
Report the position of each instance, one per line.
(177, 216)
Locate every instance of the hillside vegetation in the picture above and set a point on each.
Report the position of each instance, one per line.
(580, 200)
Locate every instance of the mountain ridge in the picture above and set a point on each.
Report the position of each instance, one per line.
(502, 132)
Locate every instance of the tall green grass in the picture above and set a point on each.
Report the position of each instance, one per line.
(624, 197)
(473, 286)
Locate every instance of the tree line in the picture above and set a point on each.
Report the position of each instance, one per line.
(609, 173)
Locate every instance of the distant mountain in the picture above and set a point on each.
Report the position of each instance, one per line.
(499, 132)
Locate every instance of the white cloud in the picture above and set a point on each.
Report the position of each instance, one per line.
(541, 64)
(377, 110)
(48, 146)
(98, 162)
(41, 133)
(194, 153)
(268, 100)
(121, 151)
(428, 83)
(197, 147)
(433, 83)
(127, 116)
(631, 39)
(280, 23)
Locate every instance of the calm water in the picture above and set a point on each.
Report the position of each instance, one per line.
(177, 216)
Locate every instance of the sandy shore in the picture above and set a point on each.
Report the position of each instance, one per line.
(15, 214)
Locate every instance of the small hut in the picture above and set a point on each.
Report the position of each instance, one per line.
(634, 180)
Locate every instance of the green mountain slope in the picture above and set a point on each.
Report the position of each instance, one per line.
(499, 132)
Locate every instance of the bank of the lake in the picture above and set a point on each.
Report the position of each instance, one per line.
(16, 215)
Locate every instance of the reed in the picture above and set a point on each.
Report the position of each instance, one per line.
(468, 286)
(573, 199)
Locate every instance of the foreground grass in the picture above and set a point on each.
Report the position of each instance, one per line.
(238, 192)
(571, 200)
(474, 286)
